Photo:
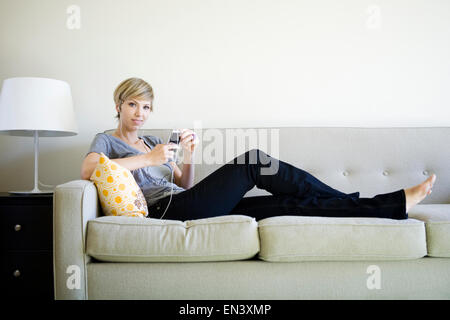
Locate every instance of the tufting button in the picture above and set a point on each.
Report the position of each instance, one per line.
(425, 172)
(345, 173)
(385, 173)
(157, 208)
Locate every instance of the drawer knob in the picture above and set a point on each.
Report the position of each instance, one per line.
(17, 227)
(16, 273)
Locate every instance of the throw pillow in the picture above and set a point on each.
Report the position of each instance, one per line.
(118, 192)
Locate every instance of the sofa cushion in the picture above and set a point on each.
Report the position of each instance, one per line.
(437, 227)
(298, 238)
(126, 239)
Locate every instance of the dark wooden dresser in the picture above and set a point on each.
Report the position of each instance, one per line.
(27, 245)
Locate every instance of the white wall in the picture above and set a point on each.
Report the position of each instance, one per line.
(228, 63)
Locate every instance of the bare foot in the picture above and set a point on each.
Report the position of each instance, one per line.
(417, 193)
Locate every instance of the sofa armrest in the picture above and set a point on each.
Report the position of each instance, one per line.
(74, 204)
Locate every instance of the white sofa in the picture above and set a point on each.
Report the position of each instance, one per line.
(284, 257)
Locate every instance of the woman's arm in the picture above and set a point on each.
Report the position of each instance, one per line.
(187, 177)
(131, 163)
(184, 178)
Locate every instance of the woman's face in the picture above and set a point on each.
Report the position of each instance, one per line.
(134, 113)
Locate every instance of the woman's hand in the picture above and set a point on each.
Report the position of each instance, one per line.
(188, 140)
(161, 153)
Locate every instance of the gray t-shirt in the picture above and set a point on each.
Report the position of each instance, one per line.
(154, 181)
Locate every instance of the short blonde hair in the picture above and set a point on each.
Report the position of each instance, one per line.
(133, 88)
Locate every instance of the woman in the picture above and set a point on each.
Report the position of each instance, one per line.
(294, 191)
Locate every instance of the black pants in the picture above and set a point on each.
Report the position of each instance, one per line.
(293, 192)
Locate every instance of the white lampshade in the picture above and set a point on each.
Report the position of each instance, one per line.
(36, 104)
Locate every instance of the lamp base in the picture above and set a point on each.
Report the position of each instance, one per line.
(31, 192)
(36, 190)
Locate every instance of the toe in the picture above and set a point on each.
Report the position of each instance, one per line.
(433, 179)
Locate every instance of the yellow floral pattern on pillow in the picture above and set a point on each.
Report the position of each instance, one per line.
(118, 192)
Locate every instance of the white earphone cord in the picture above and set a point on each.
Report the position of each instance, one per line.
(170, 199)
